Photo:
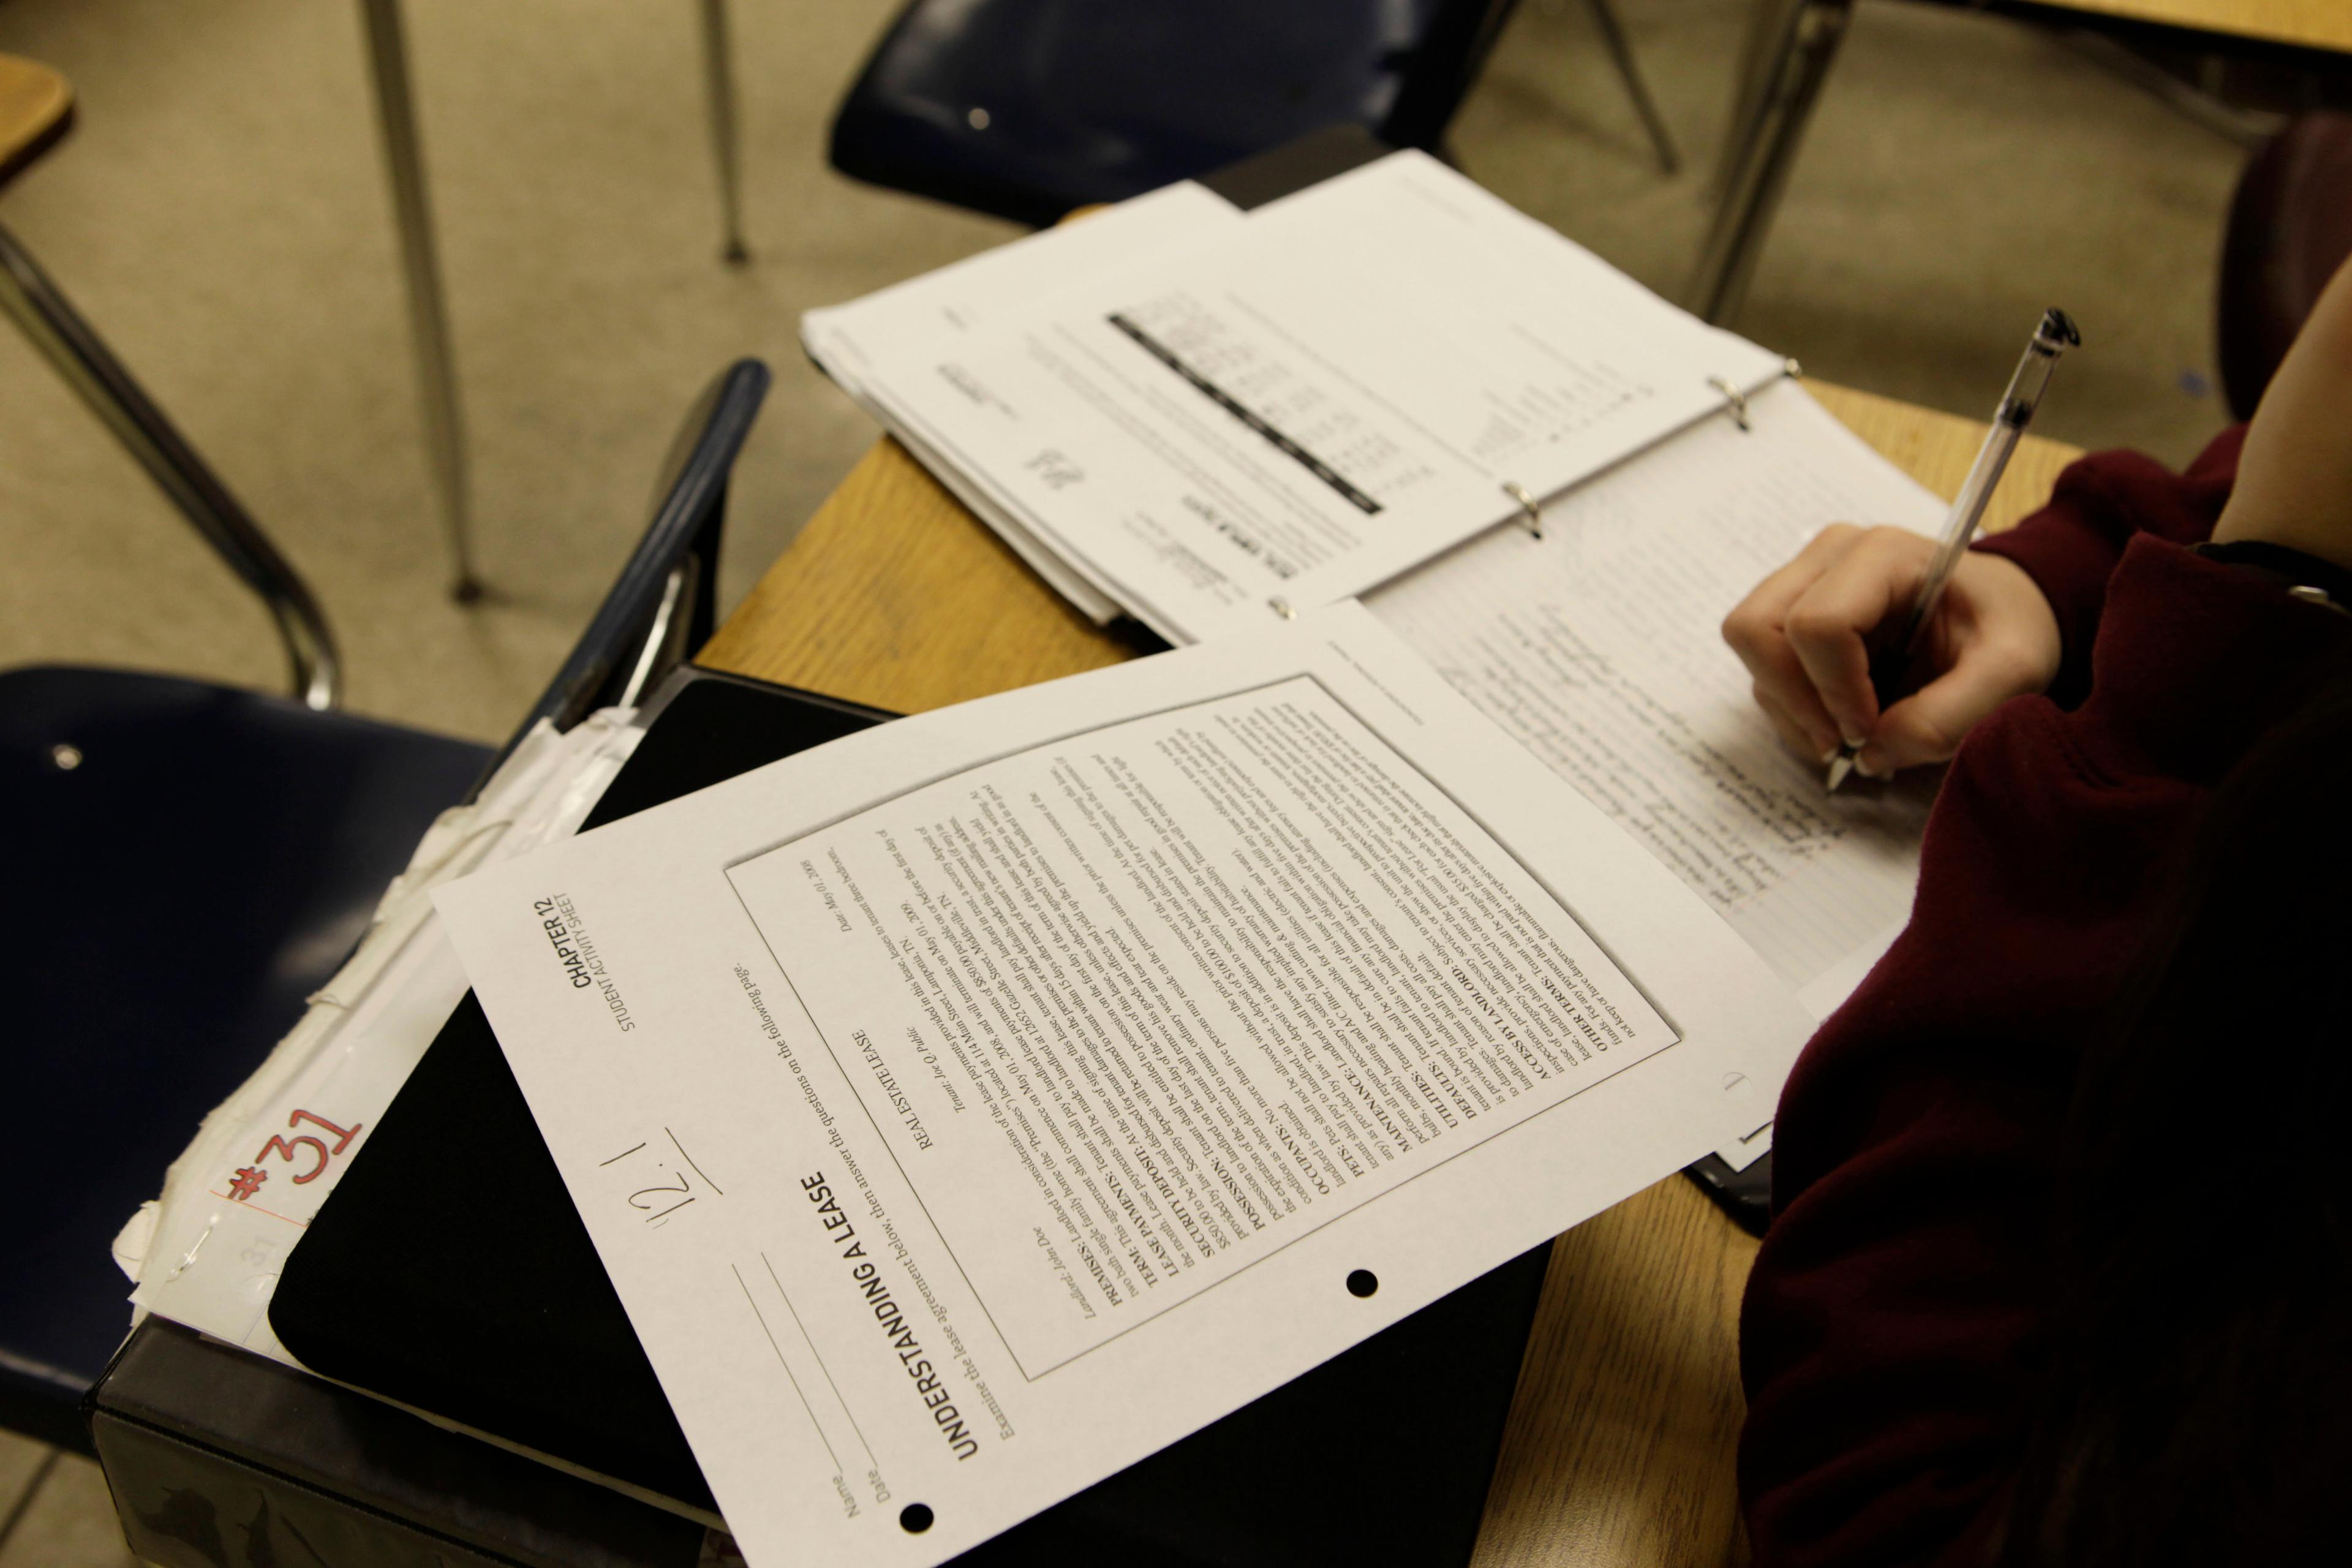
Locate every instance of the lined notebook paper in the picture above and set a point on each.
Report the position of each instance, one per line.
(1598, 648)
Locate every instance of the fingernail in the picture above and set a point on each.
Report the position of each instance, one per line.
(1855, 737)
(1870, 767)
(1831, 755)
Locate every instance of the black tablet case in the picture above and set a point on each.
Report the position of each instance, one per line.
(449, 1271)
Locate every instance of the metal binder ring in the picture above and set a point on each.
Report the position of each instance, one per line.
(1529, 513)
(1733, 396)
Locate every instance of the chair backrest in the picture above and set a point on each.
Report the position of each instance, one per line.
(1445, 66)
(663, 604)
(1029, 108)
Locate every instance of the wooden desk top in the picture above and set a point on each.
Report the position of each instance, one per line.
(1620, 1446)
(36, 107)
(2305, 24)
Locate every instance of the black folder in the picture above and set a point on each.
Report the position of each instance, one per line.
(449, 1271)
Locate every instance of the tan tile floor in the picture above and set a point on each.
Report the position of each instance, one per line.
(56, 1511)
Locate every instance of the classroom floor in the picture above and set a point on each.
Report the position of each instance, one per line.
(219, 214)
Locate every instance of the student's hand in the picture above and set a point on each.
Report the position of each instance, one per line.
(2294, 477)
(1805, 635)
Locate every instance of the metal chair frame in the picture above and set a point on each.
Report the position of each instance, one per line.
(42, 312)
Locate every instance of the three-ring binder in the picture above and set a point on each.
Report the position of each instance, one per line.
(1531, 510)
(1737, 400)
(1530, 513)
(1734, 397)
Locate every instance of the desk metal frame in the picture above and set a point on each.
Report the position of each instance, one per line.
(420, 257)
(1793, 43)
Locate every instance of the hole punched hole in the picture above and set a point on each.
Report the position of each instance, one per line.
(1362, 1282)
(915, 1519)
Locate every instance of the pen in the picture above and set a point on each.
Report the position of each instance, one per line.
(2053, 337)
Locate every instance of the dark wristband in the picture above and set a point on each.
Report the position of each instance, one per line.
(2291, 571)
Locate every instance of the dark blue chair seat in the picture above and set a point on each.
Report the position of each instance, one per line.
(1029, 108)
(186, 865)
(182, 864)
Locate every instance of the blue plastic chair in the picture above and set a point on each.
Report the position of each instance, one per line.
(1029, 108)
(186, 863)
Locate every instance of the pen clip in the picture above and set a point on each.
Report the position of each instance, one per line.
(1734, 397)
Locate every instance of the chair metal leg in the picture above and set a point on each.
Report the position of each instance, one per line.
(725, 137)
(2249, 127)
(428, 319)
(1756, 172)
(34, 303)
(1621, 49)
(1759, 57)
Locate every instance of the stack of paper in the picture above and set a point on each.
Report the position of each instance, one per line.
(1210, 420)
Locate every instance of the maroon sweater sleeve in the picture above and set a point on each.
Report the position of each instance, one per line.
(1891, 1333)
(2071, 547)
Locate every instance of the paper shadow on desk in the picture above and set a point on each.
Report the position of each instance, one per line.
(450, 1271)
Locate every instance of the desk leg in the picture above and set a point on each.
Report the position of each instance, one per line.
(726, 135)
(1796, 63)
(428, 319)
(1637, 87)
(1759, 45)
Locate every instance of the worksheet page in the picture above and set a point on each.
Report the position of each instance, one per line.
(967, 1109)
(1345, 383)
(1598, 647)
(944, 305)
(953, 300)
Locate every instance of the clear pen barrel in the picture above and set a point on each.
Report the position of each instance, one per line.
(1967, 510)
